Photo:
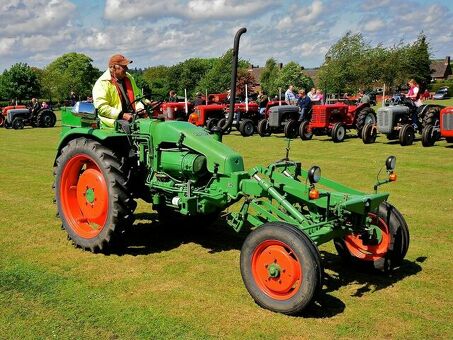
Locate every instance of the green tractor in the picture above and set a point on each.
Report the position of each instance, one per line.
(186, 170)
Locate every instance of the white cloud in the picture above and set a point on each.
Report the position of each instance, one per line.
(6, 46)
(374, 25)
(302, 15)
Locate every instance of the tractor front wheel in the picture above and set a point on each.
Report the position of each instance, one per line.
(305, 132)
(221, 124)
(246, 127)
(91, 195)
(263, 128)
(430, 135)
(388, 249)
(211, 123)
(407, 135)
(291, 129)
(369, 133)
(281, 268)
(18, 123)
(338, 133)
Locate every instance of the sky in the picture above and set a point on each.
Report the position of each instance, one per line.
(155, 32)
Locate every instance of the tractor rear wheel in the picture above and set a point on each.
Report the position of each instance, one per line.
(369, 133)
(281, 268)
(305, 132)
(432, 117)
(46, 119)
(430, 135)
(390, 247)
(291, 129)
(18, 123)
(91, 193)
(221, 124)
(365, 116)
(338, 133)
(246, 127)
(406, 135)
(211, 122)
(263, 128)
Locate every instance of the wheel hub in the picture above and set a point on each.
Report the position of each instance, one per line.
(92, 194)
(276, 270)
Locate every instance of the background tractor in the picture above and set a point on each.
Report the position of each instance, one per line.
(5, 110)
(400, 120)
(185, 170)
(443, 127)
(21, 116)
(280, 118)
(335, 119)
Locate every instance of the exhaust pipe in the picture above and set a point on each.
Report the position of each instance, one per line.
(234, 78)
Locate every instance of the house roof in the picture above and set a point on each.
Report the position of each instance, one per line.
(441, 68)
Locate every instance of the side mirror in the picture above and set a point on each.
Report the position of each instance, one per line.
(390, 163)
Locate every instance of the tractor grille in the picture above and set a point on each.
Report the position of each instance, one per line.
(447, 121)
(384, 120)
(319, 114)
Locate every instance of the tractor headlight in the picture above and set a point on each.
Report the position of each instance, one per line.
(314, 174)
(390, 163)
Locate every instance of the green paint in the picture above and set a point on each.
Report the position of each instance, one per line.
(89, 195)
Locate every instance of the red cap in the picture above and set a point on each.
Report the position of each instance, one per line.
(119, 59)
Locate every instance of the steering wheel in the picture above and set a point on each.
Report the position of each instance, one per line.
(149, 104)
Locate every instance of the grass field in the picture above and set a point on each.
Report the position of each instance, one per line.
(180, 283)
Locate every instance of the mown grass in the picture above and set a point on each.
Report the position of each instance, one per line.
(175, 282)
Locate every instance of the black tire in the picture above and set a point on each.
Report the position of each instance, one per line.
(246, 127)
(46, 119)
(18, 123)
(431, 117)
(269, 291)
(263, 128)
(369, 133)
(338, 133)
(115, 205)
(211, 123)
(7, 125)
(389, 252)
(2, 120)
(305, 132)
(221, 123)
(365, 116)
(430, 135)
(406, 135)
(291, 129)
(449, 139)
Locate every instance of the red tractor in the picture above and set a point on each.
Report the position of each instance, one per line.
(212, 115)
(4, 112)
(173, 111)
(441, 128)
(334, 119)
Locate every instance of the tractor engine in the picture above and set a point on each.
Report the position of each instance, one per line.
(183, 165)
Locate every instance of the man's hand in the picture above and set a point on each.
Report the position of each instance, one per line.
(127, 116)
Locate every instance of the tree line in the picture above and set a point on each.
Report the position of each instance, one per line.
(350, 64)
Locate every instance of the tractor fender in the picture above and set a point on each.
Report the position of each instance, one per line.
(103, 136)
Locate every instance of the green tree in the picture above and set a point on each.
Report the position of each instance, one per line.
(19, 82)
(157, 78)
(70, 72)
(269, 76)
(187, 75)
(218, 78)
(417, 64)
(292, 73)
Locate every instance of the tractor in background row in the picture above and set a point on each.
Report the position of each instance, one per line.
(19, 116)
(334, 119)
(442, 127)
(185, 170)
(400, 119)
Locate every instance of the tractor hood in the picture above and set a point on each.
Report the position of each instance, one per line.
(220, 157)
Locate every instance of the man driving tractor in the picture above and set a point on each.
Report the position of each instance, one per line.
(115, 91)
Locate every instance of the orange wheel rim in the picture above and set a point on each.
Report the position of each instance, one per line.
(369, 252)
(84, 196)
(276, 269)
